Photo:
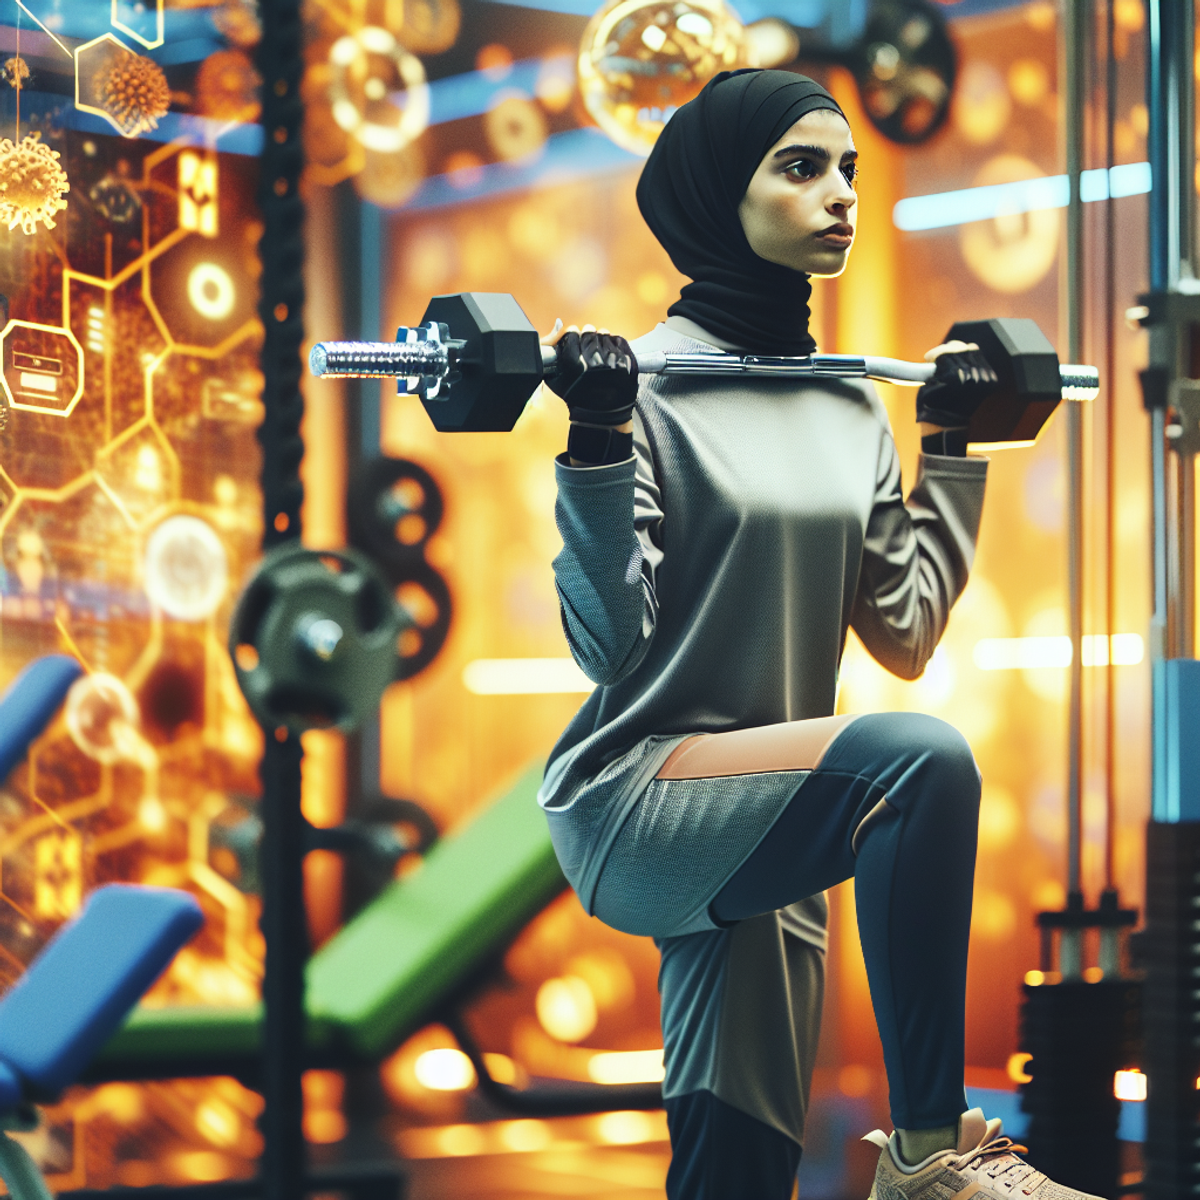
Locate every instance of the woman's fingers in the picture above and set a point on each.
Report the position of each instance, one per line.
(552, 338)
(954, 347)
(556, 334)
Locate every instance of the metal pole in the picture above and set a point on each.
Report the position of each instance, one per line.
(1110, 953)
(363, 253)
(1164, 273)
(1075, 39)
(1184, 78)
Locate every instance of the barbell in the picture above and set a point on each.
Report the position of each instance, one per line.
(475, 360)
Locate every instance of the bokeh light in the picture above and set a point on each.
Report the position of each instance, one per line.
(377, 90)
(641, 59)
(566, 1008)
(186, 568)
(1012, 252)
(445, 1070)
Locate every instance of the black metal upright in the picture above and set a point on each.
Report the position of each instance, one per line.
(281, 308)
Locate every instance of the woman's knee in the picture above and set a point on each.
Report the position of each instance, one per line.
(929, 753)
(953, 754)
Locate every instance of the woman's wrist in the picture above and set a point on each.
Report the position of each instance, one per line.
(949, 443)
(591, 445)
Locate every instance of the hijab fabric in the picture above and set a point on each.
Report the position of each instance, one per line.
(689, 193)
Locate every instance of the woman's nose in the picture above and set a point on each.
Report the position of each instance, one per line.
(842, 200)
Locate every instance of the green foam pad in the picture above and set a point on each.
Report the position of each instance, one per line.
(385, 972)
(378, 976)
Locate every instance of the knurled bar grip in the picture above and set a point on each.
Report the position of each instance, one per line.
(354, 360)
(407, 359)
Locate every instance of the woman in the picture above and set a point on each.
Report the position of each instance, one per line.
(719, 538)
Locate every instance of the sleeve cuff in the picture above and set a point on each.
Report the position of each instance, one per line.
(952, 467)
(602, 472)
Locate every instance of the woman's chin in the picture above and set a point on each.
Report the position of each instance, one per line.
(822, 264)
(829, 270)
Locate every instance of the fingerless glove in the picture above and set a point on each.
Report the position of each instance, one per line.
(961, 383)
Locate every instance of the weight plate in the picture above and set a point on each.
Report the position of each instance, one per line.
(393, 508)
(312, 639)
(424, 602)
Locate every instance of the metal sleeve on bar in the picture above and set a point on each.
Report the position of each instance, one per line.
(359, 360)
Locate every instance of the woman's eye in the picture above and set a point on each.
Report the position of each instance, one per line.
(850, 171)
(802, 168)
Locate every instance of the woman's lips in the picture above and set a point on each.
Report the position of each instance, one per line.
(839, 236)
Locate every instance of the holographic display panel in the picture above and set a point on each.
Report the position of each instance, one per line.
(129, 513)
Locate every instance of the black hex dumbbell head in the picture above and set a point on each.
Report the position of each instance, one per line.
(1030, 383)
(500, 365)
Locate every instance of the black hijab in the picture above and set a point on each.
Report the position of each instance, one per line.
(689, 194)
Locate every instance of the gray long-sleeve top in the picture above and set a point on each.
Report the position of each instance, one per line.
(707, 583)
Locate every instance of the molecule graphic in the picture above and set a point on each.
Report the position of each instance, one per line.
(32, 184)
(135, 93)
(116, 201)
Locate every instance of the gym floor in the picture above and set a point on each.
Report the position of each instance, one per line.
(560, 1157)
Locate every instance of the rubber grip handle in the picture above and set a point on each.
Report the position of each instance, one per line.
(653, 362)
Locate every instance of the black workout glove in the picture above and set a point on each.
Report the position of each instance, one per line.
(597, 376)
(961, 383)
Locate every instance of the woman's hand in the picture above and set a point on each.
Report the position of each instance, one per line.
(596, 375)
(963, 379)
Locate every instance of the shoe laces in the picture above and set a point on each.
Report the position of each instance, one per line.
(998, 1160)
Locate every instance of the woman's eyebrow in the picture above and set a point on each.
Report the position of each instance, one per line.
(817, 152)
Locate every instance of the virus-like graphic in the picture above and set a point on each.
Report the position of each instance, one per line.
(227, 87)
(32, 184)
(14, 72)
(135, 93)
(115, 200)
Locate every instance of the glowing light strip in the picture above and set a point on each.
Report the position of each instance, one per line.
(1037, 653)
(944, 209)
(524, 677)
(38, 383)
(627, 1066)
(471, 94)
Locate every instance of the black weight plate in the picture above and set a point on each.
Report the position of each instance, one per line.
(905, 65)
(393, 507)
(285, 672)
(424, 599)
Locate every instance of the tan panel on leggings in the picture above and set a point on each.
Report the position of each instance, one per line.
(794, 746)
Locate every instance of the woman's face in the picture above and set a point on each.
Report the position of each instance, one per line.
(799, 208)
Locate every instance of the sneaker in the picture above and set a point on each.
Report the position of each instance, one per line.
(985, 1167)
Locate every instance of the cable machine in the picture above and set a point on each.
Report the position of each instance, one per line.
(1171, 393)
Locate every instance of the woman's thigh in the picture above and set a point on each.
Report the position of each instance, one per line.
(875, 765)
